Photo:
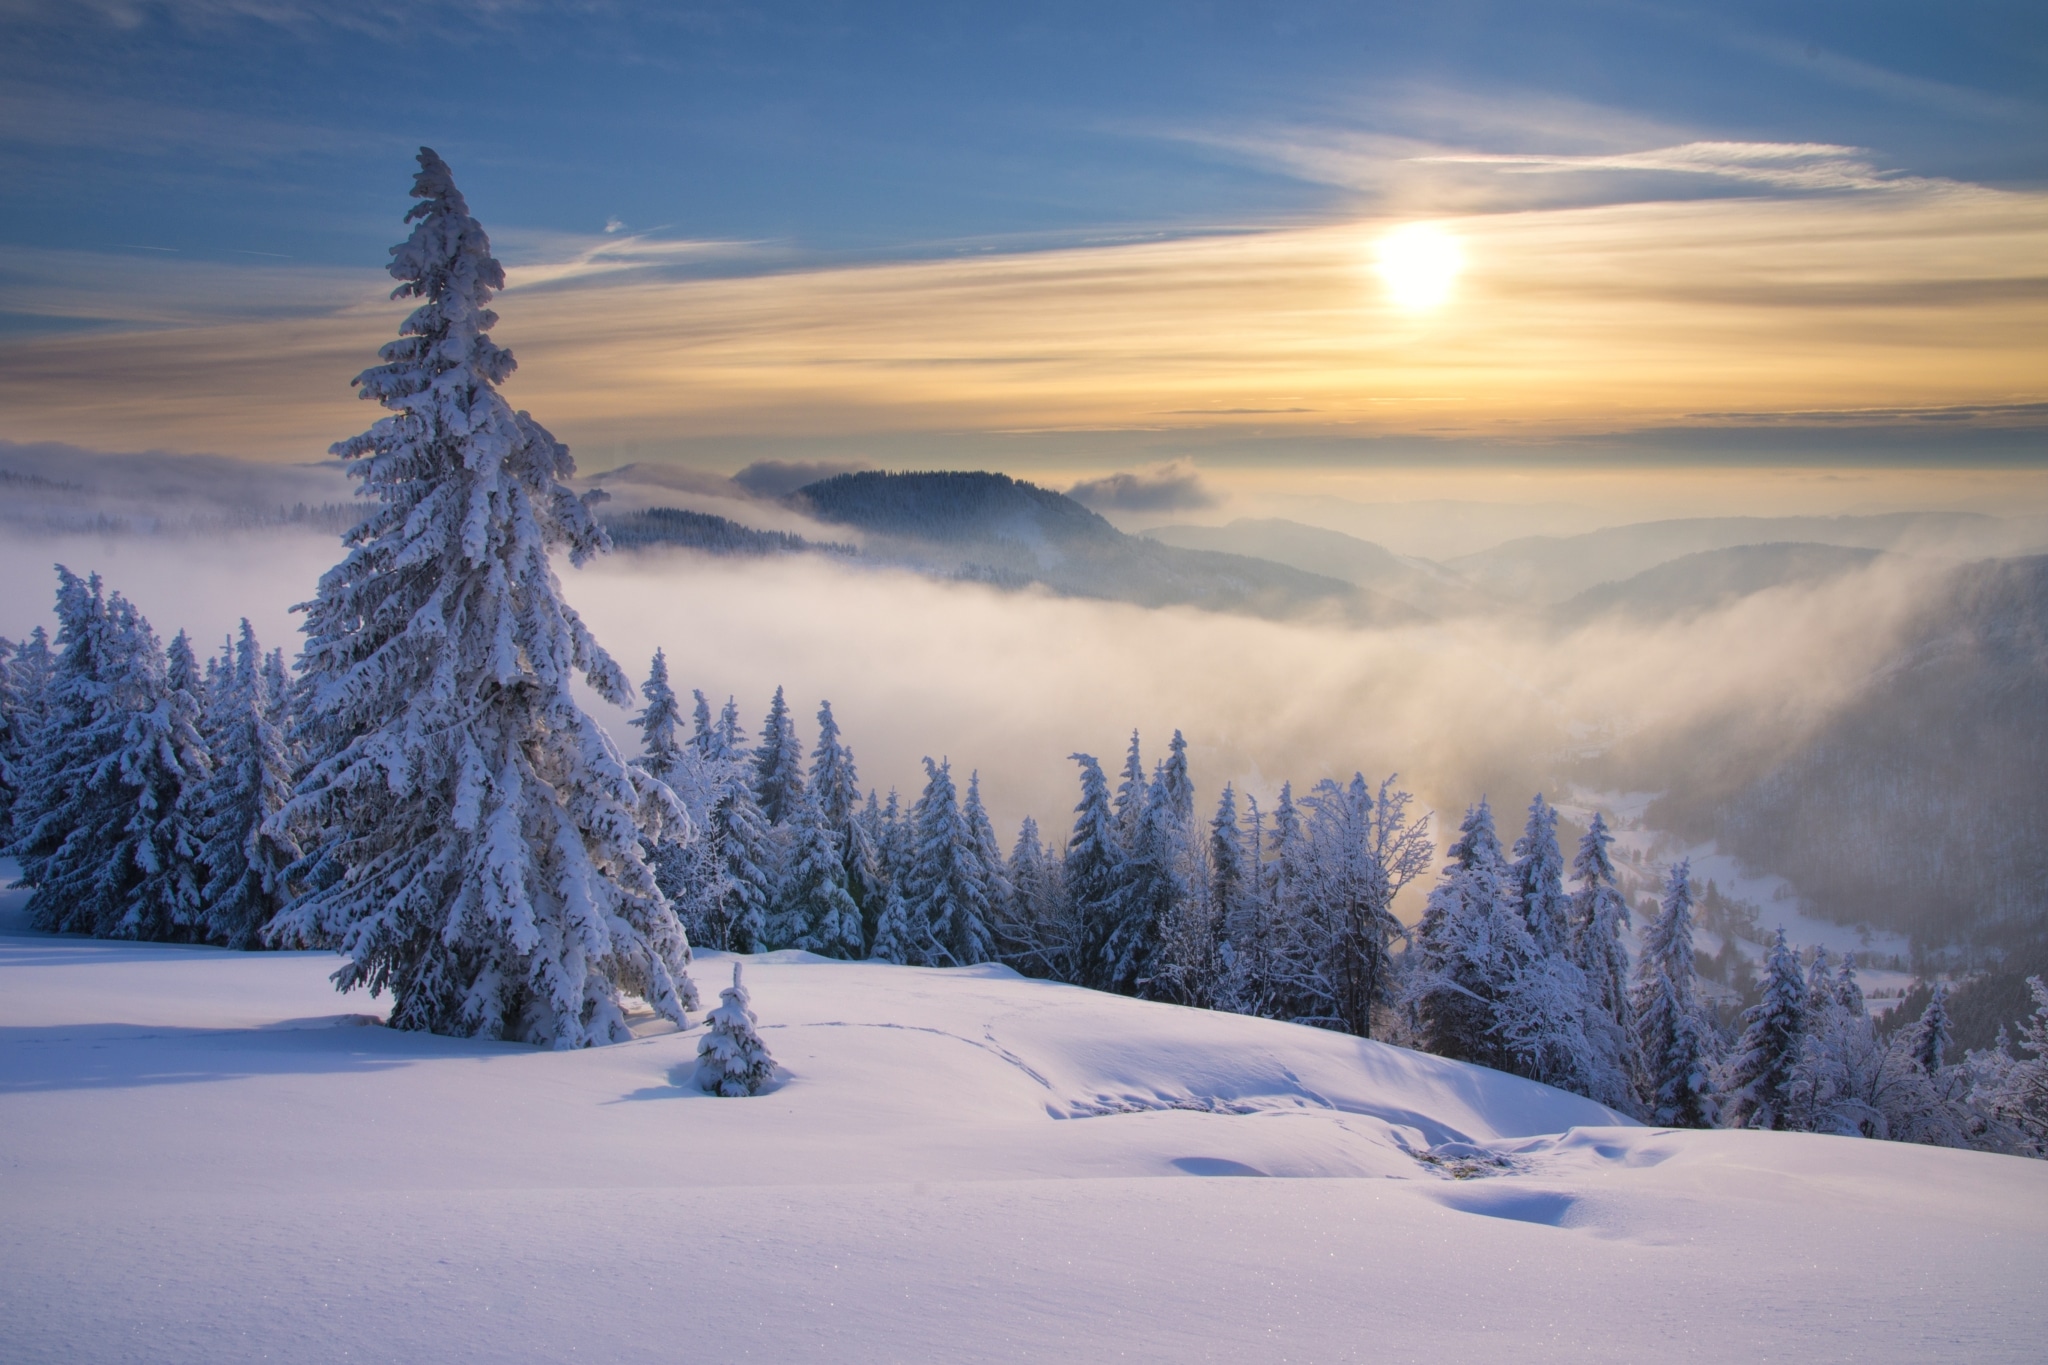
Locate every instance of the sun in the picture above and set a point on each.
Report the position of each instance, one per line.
(1419, 263)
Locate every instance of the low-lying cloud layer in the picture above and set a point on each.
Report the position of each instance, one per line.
(1010, 683)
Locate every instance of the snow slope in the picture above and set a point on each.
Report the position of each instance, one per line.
(209, 1156)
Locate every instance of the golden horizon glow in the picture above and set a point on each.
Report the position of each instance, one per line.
(1419, 263)
(1569, 321)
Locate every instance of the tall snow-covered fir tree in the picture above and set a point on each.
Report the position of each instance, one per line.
(1184, 963)
(1932, 1031)
(1250, 936)
(1359, 850)
(1672, 1036)
(2016, 1093)
(815, 913)
(731, 1058)
(1037, 934)
(103, 822)
(24, 695)
(1131, 792)
(1094, 874)
(1848, 991)
(745, 845)
(1538, 873)
(779, 764)
(1153, 890)
(473, 837)
(899, 935)
(988, 854)
(685, 863)
(1599, 915)
(946, 889)
(835, 783)
(245, 856)
(1755, 1092)
(1471, 944)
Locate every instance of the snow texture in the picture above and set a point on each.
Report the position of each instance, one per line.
(201, 1162)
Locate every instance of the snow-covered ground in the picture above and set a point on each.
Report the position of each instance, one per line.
(209, 1156)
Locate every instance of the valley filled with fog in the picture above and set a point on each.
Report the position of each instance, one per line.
(1850, 704)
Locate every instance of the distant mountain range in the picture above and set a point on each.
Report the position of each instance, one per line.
(1921, 804)
(1711, 579)
(1553, 569)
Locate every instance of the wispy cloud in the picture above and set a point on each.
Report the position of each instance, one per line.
(1174, 486)
(1781, 165)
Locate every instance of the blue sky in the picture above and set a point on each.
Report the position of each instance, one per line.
(219, 127)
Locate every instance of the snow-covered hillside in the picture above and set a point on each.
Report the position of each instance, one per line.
(209, 1156)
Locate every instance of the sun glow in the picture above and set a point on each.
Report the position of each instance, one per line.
(1419, 264)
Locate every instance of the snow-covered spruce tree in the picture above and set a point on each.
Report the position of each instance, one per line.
(779, 764)
(836, 785)
(1672, 1035)
(24, 695)
(1186, 965)
(1757, 1087)
(1036, 934)
(660, 725)
(745, 845)
(686, 866)
(1094, 874)
(946, 889)
(244, 855)
(1286, 890)
(1599, 916)
(1153, 892)
(988, 854)
(103, 820)
(1470, 946)
(473, 838)
(1848, 993)
(876, 829)
(1545, 1017)
(1820, 984)
(731, 1058)
(1932, 1031)
(1131, 793)
(13, 726)
(2016, 1091)
(1360, 851)
(815, 912)
(1250, 942)
(1538, 875)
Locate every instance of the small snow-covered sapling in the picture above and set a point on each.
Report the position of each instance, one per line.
(731, 1058)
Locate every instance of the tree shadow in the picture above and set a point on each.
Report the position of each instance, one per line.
(61, 1057)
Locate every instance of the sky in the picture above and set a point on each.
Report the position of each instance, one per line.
(1301, 246)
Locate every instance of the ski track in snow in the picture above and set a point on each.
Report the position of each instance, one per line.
(210, 1157)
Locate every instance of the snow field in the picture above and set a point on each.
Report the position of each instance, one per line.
(210, 1156)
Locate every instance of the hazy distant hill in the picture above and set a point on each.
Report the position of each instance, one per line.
(1922, 805)
(992, 528)
(712, 534)
(1703, 582)
(1314, 549)
(1552, 569)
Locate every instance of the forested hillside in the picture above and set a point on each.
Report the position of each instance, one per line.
(994, 529)
(1921, 805)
